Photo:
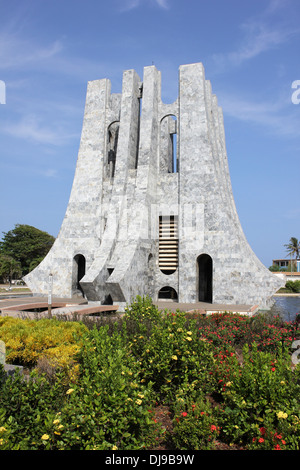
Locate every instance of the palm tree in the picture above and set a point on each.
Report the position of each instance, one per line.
(293, 248)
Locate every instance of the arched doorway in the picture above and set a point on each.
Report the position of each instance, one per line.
(80, 264)
(205, 278)
(168, 293)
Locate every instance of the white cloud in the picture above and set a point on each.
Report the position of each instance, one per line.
(131, 4)
(49, 173)
(258, 38)
(16, 51)
(259, 34)
(163, 4)
(30, 128)
(276, 117)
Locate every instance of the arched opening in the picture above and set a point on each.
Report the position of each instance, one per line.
(168, 145)
(112, 144)
(205, 278)
(168, 293)
(108, 300)
(80, 265)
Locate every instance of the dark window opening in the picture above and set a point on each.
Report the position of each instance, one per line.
(108, 300)
(168, 145)
(113, 135)
(80, 264)
(138, 130)
(168, 293)
(205, 278)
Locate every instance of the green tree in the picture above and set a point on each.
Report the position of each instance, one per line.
(9, 268)
(26, 245)
(293, 248)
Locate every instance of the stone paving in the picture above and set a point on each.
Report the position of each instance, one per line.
(59, 306)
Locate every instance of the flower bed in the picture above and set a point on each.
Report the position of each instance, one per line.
(159, 381)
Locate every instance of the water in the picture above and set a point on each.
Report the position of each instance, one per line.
(286, 307)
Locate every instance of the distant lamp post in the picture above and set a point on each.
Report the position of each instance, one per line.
(50, 294)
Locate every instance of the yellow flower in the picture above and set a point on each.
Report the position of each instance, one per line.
(2, 429)
(179, 329)
(71, 390)
(174, 357)
(56, 421)
(228, 384)
(138, 402)
(188, 338)
(114, 448)
(45, 437)
(188, 332)
(282, 415)
(140, 395)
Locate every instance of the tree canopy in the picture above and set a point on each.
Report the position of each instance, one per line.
(26, 245)
(293, 247)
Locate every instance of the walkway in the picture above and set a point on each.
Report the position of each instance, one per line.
(62, 306)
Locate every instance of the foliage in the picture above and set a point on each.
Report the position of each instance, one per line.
(293, 286)
(195, 425)
(224, 378)
(293, 247)
(28, 341)
(26, 245)
(262, 394)
(9, 268)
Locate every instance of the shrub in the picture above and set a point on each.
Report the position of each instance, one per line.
(27, 341)
(293, 286)
(223, 378)
(255, 396)
(195, 426)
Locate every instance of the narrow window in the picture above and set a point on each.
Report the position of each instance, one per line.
(205, 278)
(168, 244)
(138, 129)
(168, 145)
(79, 272)
(112, 145)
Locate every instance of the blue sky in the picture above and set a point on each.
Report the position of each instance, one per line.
(50, 49)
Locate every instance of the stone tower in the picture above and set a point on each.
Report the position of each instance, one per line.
(151, 209)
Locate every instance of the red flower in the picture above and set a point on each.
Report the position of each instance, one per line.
(283, 442)
(213, 427)
(277, 447)
(262, 431)
(273, 369)
(184, 413)
(261, 440)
